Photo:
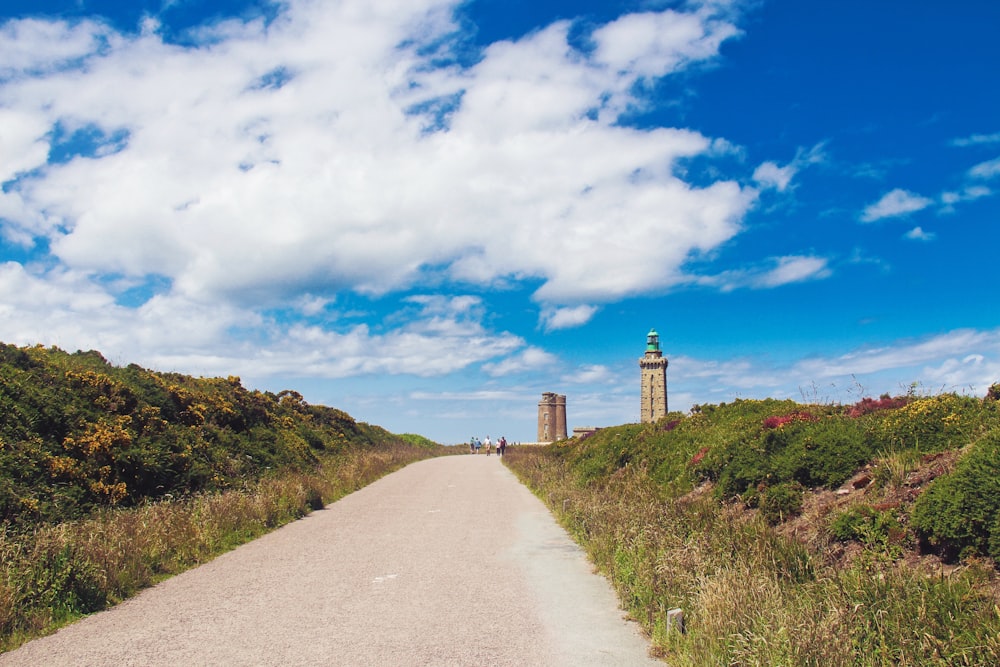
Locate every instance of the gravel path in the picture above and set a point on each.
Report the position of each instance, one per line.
(450, 561)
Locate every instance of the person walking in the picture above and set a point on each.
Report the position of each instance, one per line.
(501, 446)
(488, 445)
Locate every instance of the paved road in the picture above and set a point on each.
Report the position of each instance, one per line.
(449, 561)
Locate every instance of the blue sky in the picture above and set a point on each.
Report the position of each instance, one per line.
(427, 213)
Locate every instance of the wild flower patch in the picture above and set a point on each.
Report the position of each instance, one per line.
(868, 405)
(699, 457)
(780, 421)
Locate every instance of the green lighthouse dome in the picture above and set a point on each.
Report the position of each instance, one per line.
(652, 341)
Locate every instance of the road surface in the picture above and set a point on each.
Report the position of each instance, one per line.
(450, 561)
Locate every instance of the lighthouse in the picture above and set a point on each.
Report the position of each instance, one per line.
(653, 368)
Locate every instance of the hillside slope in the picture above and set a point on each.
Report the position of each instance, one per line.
(78, 434)
(796, 534)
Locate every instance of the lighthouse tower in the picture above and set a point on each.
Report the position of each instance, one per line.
(653, 366)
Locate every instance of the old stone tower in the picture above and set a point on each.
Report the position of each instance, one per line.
(653, 366)
(551, 417)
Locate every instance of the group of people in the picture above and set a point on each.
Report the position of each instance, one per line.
(475, 445)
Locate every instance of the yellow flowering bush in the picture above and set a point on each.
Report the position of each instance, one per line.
(929, 424)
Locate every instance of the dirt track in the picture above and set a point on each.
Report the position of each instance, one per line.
(450, 561)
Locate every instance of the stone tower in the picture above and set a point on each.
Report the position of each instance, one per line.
(551, 417)
(653, 366)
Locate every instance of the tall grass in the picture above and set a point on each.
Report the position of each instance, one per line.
(57, 573)
(753, 596)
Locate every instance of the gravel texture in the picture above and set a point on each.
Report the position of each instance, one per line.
(450, 561)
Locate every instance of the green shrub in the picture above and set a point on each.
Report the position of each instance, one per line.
(781, 501)
(959, 513)
(878, 530)
(823, 453)
(846, 526)
(816, 452)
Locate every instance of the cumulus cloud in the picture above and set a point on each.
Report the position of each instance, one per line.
(894, 204)
(649, 44)
(268, 158)
(566, 318)
(334, 150)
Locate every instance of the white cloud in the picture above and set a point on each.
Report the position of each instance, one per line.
(986, 170)
(22, 142)
(894, 204)
(590, 374)
(964, 361)
(918, 234)
(973, 373)
(776, 272)
(532, 358)
(649, 44)
(553, 319)
(904, 354)
(795, 269)
(977, 140)
(769, 174)
(31, 46)
(439, 336)
(310, 304)
(969, 193)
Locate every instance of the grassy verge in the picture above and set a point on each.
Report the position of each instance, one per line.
(752, 595)
(57, 573)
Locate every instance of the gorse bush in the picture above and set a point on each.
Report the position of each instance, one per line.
(926, 425)
(78, 434)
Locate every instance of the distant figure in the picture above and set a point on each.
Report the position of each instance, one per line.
(488, 445)
(472, 445)
(501, 446)
(478, 445)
